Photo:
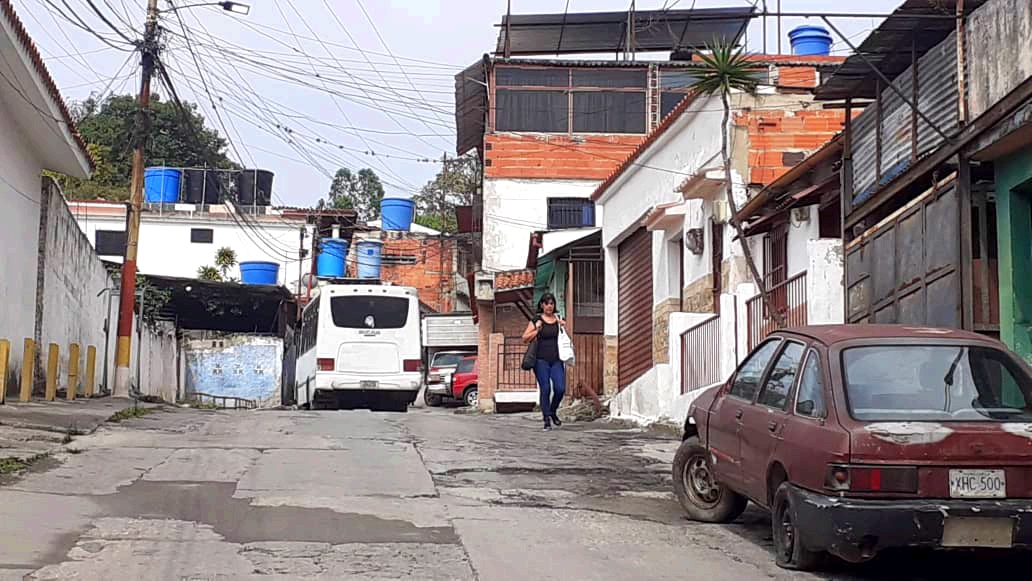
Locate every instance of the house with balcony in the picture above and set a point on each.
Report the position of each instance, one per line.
(936, 170)
(677, 285)
(549, 130)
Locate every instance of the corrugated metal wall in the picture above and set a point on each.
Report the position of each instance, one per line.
(451, 331)
(937, 99)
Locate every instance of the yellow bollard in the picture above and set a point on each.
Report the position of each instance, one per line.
(73, 371)
(5, 358)
(52, 371)
(91, 370)
(28, 370)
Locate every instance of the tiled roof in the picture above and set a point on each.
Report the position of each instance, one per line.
(513, 279)
(37, 61)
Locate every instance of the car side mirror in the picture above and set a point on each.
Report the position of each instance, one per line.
(806, 408)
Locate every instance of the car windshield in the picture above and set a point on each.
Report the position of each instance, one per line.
(935, 383)
(447, 359)
(465, 366)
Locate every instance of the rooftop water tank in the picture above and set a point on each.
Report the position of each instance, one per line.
(809, 40)
(333, 253)
(254, 187)
(397, 213)
(161, 185)
(368, 253)
(259, 272)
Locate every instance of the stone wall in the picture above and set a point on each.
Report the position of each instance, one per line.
(661, 329)
(610, 377)
(698, 295)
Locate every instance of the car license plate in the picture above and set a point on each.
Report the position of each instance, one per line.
(368, 384)
(977, 532)
(978, 484)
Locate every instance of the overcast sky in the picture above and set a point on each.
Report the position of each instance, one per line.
(307, 86)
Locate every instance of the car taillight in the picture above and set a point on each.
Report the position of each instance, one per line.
(411, 365)
(849, 478)
(325, 364)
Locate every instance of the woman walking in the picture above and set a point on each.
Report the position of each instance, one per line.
(549, 369)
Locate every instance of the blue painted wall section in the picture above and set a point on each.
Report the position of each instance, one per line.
(236, 366)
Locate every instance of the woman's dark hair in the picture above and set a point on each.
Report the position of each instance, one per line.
(545, 299)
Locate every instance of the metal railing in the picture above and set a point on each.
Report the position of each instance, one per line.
(224, 401)
(570, 213)
(700, 355)
(511, 376)
(788, 299)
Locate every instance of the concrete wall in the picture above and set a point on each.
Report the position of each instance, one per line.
(999, 52)
(513, 208)
(825, 282)
(166, 249)
(19, 227)
(235, 365)
(74, 302)
(159, 368)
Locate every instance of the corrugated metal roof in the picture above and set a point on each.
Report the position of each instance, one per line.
(470, 106)
(604, 32)
(889, 47)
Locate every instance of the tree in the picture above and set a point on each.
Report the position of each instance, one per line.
(727, 69)
(361, 192)
(225, 259)
(455, 185)
(108, 126)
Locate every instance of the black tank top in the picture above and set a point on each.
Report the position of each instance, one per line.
(548, 342)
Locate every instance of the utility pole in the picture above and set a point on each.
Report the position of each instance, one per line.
(127, 295)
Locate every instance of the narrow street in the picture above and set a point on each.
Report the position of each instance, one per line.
(431, 494)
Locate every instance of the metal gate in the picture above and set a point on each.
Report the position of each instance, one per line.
(634, 278)
(907, 270)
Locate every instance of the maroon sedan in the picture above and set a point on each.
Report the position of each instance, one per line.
(859, 438)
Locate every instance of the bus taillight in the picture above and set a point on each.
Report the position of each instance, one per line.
(412, 365)
(325, 364)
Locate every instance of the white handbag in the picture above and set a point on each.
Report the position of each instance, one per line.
(566, 354)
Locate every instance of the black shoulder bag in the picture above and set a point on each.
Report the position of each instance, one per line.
(530, 357)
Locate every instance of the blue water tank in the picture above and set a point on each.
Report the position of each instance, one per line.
(368, 254)
(161, 185)
(809, 40)
(259, 272)
(333, 253)
(397, 213)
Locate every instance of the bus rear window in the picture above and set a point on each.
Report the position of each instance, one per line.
(369, 312)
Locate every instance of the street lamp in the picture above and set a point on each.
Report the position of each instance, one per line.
(234, 7)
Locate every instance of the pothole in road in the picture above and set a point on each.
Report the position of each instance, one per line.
(238, 521)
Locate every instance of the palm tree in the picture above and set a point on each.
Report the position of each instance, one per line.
(225, 259)
(728, 69)
(209, 273)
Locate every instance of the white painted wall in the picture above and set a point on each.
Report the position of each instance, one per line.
(75, 303)
(20, 169)
(825, 282)
(514, 208)
(159, 369)
(165, 247)
(690, 144)
(800, 233)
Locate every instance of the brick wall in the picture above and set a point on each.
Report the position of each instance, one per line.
(555, 156)
(431, 274)
(780, 139)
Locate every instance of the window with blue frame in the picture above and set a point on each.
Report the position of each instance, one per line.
(570, 213)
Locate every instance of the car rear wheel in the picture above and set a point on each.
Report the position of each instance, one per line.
(701, 496)
(431, 399)
(789, 551)
(470, 396)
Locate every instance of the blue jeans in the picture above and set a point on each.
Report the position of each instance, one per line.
(551, 378)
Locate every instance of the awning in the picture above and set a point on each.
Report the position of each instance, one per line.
(666, 216)
(804, 197)
(705, 184)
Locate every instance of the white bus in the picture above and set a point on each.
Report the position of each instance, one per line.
(360, 346)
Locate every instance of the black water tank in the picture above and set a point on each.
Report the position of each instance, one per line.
(254, 187)
(203, 186)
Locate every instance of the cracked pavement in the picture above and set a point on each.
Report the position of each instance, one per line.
(198, 495)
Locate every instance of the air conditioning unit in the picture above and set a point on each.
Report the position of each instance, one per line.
(721, 211)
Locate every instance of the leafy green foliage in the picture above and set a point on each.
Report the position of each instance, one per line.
(454, 185)
(361, 192)
(225, 259)
(109, 128)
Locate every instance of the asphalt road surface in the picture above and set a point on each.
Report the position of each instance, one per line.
(431, 494)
